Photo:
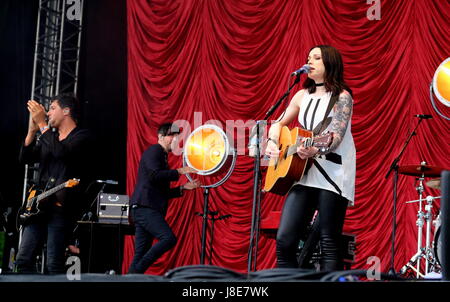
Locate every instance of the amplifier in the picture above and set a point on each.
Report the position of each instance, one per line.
(348, 247)
(113, 208)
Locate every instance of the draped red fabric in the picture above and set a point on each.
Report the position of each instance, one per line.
(231, 60)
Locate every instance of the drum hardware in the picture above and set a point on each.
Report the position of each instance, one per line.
(437, 242)
(410, 265)
(394, 167)
(423, 215)
(430, 253)
(422, 170)
(434, 183)
(428, 199)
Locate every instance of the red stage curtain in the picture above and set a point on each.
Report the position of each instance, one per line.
(231, 60)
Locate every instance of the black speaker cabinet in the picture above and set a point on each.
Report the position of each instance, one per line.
(445, 224)
(101, 246)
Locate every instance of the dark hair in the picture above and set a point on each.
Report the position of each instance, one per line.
(167, 129)
(69, 100)
(334, 72)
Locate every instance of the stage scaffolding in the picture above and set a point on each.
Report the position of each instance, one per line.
(56, 62)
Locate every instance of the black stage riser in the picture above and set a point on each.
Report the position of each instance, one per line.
(445, 224)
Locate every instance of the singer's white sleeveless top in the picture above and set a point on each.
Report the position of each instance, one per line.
(338, 171)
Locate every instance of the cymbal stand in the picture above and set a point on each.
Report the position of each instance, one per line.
(420, 221)
(430, 260)
(422, 252)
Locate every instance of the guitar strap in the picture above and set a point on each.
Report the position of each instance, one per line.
(327, 177)
(334, 157)
(326, 120)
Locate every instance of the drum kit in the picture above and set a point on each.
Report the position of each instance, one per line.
(431, 253)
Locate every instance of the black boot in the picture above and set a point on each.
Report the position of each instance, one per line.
(330, 257)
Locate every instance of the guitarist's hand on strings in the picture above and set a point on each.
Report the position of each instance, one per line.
(272, 149)
(306, 152)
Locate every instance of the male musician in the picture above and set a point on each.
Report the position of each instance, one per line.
(62, 152)
(149, 200)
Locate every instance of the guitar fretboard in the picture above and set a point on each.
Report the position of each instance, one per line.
(293, 149)
(317, 141)
(51, 191)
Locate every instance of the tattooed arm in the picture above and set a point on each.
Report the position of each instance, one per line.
(341, 118)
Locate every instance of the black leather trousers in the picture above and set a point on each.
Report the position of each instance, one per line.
(298, 210)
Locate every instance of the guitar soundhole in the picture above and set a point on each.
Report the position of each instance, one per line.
(277, 160)
(282, 153)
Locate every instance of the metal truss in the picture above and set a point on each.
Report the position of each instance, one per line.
(57, 49)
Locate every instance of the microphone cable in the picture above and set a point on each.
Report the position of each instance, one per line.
(285, 274)
(202, 273)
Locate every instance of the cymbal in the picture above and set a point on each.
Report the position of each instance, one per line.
(419, 170)
(434, 183)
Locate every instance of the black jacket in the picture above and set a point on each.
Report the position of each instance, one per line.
(153, 183)
(61, 160)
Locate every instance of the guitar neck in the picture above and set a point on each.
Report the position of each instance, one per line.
(310, 142)
(51, 191)
(293, 149)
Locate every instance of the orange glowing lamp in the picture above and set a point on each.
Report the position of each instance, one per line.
(207, 150)
(441, 82)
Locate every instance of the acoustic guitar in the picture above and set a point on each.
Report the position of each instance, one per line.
(288, 168)
(33, 206)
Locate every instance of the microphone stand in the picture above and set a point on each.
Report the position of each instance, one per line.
(394, 167)
(205, 219)
(256, 210)
(89, 214)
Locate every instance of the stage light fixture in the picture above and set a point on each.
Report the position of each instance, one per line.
(207, 150)
(441, 82)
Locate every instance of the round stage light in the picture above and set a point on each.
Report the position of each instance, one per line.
(441, 82)
(207, 150)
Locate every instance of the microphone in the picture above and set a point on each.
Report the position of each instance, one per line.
(108, 182)
(304, 69)
(423, 116)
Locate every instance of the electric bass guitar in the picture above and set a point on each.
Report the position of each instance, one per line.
(34, 204)
(288, 168)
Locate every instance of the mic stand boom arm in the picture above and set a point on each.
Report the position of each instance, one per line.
(397, 159)
(278, 103)
(394, 167)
